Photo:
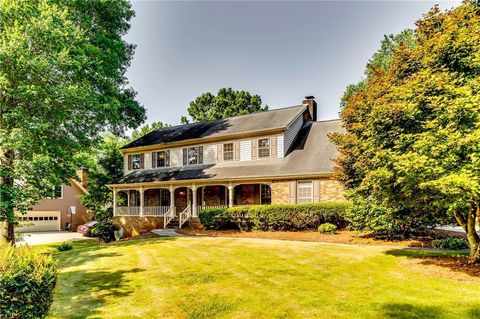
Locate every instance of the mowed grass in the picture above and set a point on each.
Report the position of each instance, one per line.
(254, 278)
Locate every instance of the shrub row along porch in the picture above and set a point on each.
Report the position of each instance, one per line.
(172, 201)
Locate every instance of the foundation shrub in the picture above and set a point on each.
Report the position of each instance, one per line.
(277, 217)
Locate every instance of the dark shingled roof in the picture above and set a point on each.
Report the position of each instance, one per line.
(260, 121)
(311, 153)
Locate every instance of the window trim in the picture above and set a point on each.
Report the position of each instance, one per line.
(232, 151)
(311, 191)
(269, 147)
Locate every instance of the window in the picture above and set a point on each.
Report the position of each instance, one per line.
(161, 159)
(56, 192)
(228, 152)
(263, 147)
(192, 155)
(136, 162)
(164, 197)
(304, 192)
(265, 194)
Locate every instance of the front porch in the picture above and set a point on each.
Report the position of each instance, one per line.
(176, 204)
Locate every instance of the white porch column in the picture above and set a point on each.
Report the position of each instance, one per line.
(230, 195)
(172, 197)
(141, 201)
(114, 202)
(194, 201)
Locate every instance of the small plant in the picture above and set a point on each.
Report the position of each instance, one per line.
(327, 228)
(105, 231)
(27, 280)
(453, 243)
(65, 246)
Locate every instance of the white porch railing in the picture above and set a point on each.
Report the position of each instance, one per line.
(184, 216)
(127, 211)
(169, 215)
(155, 210)
(200, 208)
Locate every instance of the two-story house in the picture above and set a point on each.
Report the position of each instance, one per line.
(281, 156)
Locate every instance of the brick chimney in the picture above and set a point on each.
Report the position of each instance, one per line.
(82, 174)
(312, 108)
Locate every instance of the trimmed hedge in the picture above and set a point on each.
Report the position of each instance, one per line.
(27, 279)
(276, 217)
(452, 243)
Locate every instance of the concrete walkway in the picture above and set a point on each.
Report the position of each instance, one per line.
(42, 238)
(167, 233)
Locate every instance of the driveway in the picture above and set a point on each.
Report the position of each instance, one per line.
(42, 238)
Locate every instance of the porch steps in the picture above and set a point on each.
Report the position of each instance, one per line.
(173, 224)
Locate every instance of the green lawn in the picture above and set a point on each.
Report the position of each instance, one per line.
(248, 278)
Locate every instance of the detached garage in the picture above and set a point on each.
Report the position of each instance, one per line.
(34, 221)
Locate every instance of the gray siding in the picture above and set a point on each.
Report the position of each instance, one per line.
(291, 133)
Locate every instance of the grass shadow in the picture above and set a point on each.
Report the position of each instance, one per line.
(81, 294)
(455, 261)
(409, 311)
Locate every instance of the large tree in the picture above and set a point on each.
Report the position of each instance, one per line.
(105, 165)
(412, 141)
(226, 103)
(62, 82)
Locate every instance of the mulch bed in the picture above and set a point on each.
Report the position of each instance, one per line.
(340, 237)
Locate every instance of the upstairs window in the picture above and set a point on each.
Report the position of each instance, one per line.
(263, 147)
(161, 159)
(304, 192)
(57, 192)
(193, 155)
(228, 152)
(135, 161)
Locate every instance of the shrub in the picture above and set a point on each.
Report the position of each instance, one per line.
(27, 279)
(106, 231)
(277, 217)
(65, 246)
(386, 223)
(208, 217)
(453, 243)
(327, 228)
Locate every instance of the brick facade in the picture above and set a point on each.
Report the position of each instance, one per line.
(280, 191)
(134, 226)
(329, 190)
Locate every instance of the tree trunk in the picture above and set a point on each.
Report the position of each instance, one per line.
(468, 223)
(472, 236)
(6, 186)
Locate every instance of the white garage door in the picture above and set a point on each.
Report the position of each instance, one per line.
(39, 221)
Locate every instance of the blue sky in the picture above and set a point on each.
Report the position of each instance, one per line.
(279, 50)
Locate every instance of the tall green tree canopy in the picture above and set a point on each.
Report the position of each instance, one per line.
(412, 141)
(226, 103)
(62, 82)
